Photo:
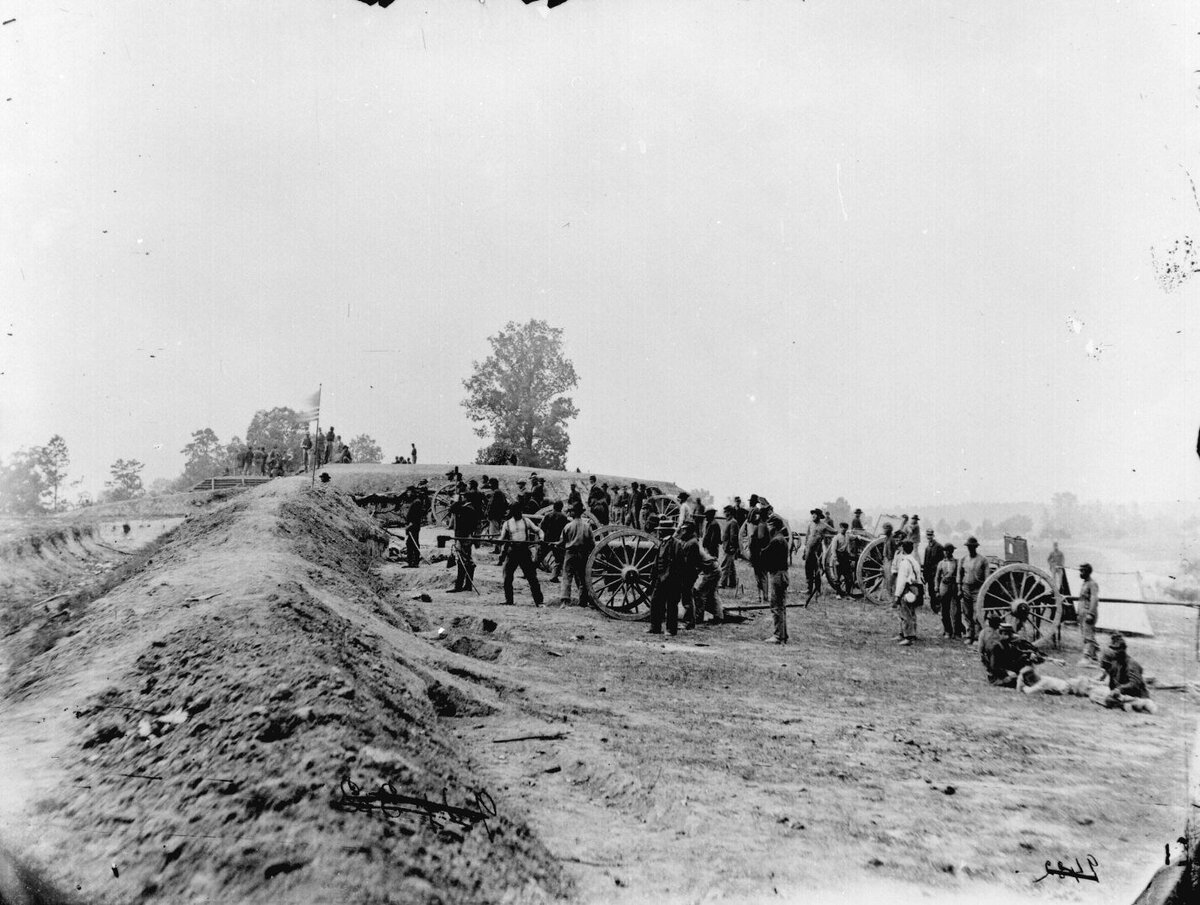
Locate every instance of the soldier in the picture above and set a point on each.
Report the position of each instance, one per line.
(704, 591)
(413, 519)
(595, 493)
(930, 558)
(306, 446)
(944, 587)
(497, 506)
(731, 547)
(552, 529)
(523, 497)
(971, 574)
(573, 497)
(688, 564)
(518, 537)
(413, 456)
(537, 494)
(845, 568)
(774, 564)
(909, 593)
(1127, 688)
(1088, 608)
(740, 512)
(637, 494)
(328, 451)
(678, 565)
(464, 520)
(686, 509)
(576, 543)
(856, 522)
(711, 535)
(813, 545)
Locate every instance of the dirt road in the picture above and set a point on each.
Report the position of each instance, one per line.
(712, 767)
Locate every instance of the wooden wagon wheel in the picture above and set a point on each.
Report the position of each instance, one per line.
(620, 573)
(874, 575)
(439, 505)
(1018, 583)
(858, 543)
(665, 507)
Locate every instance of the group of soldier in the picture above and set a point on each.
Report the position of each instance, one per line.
(697, 554)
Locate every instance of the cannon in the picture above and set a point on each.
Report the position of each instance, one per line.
(1011, 581)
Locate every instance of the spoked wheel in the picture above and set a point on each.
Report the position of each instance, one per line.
(665, 507)
(439, 505)
(1019, 583)
(873, 572)
(620, 573)
(858, 543)
(605, 530)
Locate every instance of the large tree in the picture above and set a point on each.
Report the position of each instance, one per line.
(53, 459)
(205, 456)
(126, 483)
(282, 427)
(22, 484)
(363, 448)
(516, 394)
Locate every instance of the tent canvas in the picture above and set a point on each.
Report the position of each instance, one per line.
(1127, 618)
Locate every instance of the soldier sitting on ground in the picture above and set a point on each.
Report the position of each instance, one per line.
(1126, 686)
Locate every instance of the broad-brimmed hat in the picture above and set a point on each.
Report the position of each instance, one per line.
(971, 542)
(710, 512)
(858, 512)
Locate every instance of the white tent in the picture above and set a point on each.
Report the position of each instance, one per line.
(1127, 618)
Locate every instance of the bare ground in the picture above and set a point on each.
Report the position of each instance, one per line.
(196, 743)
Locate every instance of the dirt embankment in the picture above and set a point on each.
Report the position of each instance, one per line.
(384, 478)
(194, 739)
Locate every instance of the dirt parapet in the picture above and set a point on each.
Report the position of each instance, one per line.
(239, 701)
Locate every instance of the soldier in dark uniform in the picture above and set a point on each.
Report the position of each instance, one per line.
(464, 520)
(677, 566)
(413, 519)
(856, 523)
(552, 528)
(731, 548)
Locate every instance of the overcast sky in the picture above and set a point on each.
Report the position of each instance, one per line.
(893, 251)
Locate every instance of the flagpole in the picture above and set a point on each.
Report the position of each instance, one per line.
(313, 480)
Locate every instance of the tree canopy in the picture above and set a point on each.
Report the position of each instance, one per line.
(126, 482)
(205, 457)
(364, 449)
(282, 427)
(516, 394)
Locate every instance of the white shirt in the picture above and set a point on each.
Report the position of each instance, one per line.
(908, 572)
(685, 513)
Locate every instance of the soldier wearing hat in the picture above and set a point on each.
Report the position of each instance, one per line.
(774, 564)
(676, 567)
(1087, 609)
(1127, 687)
(1004, 659)
(856, 522)
(577, 543)
(972, 571)
(413, 519)
(730, 548)
(814, 544)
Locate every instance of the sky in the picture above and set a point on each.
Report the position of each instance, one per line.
(892, 252)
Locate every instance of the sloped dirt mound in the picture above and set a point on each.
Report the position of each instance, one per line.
(233, 755)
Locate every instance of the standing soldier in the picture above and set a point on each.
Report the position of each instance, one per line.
(774, 564)
(711, 536)
(329, 437)
(856, 522)
(944, 587)
(464, 519)
(576, 544)
(971, 574)
(636, 495)
(1088, 609)
(497, 507)
(573, 497)
(552, 529)
(929, 562)
(740, 512)
(688, 568)
(841, 558)
(413, 520)
(413, 457)
(306, 448)
(730, 548)
(519, 536)
(813, 544)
